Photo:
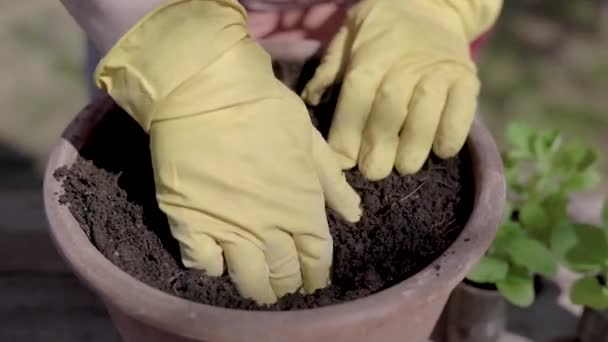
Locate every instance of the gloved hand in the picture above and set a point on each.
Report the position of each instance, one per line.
(240, 170)
(409, 83)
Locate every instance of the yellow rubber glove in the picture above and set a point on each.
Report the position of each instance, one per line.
(409, 83)
(240, 170)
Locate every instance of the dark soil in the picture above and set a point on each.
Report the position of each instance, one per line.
(408, 221)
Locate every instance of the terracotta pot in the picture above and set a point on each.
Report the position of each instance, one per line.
(593, 326)
(474, 314)
(407, 311)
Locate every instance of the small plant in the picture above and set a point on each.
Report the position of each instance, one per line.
(586, 251)
(541, 169)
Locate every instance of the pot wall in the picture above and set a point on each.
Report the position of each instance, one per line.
(406, 312)
(132, 330)
(593, 326)
(412, 327)
(475, 315)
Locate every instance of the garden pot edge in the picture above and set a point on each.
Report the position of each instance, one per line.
(170, 313)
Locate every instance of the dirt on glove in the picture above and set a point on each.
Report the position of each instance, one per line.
(408, 220)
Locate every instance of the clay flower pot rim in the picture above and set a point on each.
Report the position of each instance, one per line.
(164, 311)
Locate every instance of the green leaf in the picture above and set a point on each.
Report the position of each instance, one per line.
(544, 141)
(506, 233)
(520, 154)
(517, 288)
(509, 163)
(512, 178)
(534, 219)
(576, 156)
(589, 292)
(605, 214)
(545, 182)
(519, 136)
(532, 255)
(579, 181)
(555, 207)
(590, 253)
(563, 238)
(586, 159)
(507, 212)
(489, 270)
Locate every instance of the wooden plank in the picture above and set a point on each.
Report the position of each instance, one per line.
(30, 251)
(25, 243)
(39, 308)
(22, 210)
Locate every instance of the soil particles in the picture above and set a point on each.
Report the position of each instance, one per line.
(408, 221)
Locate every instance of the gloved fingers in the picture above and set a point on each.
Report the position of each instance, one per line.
(200, 251)
(316, 252)
(381, 135)
(354, 105)
(457, 117)
(339, 195)
(248, 269)
(283, 261)
(330, 69)
(418, 132)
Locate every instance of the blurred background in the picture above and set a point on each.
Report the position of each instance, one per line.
(546, 64)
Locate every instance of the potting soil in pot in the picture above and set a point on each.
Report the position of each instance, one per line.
(408, 221)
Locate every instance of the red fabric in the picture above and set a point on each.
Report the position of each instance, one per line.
(478, 44)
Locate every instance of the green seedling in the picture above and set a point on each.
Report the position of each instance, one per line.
(586, 252)
(541, 169)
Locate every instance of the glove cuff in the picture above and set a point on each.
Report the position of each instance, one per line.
(477, 16)
(470, 18)
(165, 49)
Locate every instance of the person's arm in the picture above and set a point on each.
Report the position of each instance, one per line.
(105, 21)
(477, 16)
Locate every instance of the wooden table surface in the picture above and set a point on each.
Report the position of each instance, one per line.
(40, 300)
